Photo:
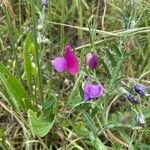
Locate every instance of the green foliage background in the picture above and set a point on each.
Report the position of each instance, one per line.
(42, 109)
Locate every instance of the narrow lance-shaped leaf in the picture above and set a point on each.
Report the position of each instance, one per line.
(90, 123)
(27, 61)
(111, 58)
(117, 51)
(129, 54)
(106, 68)
(19, 98)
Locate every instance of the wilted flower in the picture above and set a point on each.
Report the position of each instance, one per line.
(68, 63)
(92, 60)
(45, 3)
(140, 89)
(92, 91)
(140, 119)
(132, 98)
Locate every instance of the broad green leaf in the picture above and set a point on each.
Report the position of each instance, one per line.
(27, 61)
(18, 96)
(40, 126)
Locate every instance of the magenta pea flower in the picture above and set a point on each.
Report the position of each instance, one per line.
(68, 63)
(92, 91)
(92, 60)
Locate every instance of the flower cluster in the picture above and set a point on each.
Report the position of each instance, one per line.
(132, 98)
(70, 63)
(139, 89)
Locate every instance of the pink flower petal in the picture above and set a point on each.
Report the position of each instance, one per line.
(72, 61)
(96, 91)
(59, 64)
(87, 91)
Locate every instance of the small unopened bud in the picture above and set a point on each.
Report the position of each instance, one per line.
(56, 94)
(133, 24)
(45, 41)
(132, 81)
(67, 82)
(140, 119)
(92, 60)
(45, 3)
(19, 48)
(132, 98)
(39, 27)
(140, 89)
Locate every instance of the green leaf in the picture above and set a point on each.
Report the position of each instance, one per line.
(146, 112)
(117, 51)
(90, 123)
(2, 133)
(99, 145)
(129, 54)
(40, 126)
(49, 103)
(82, 106)
(27, 61)
(18, 96)
(106, 68)
(111, 58)
(124, 135)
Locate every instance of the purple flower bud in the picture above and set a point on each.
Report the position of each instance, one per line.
(132, 98)
(92, 91)
(140, 89)
(92, 60)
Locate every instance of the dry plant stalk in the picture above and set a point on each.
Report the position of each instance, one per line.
(116, 139)
(9, 8)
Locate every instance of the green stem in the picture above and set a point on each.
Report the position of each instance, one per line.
(75, 88)
(12, 38)
(36, 49)
(62, 31)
